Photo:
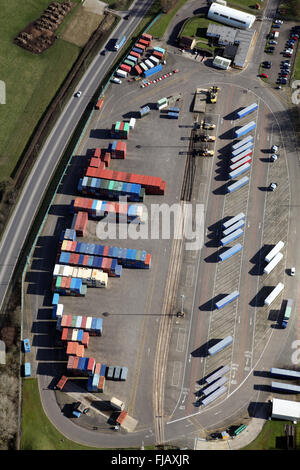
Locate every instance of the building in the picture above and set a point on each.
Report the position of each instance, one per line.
(230, 16)
(221, 63)
(285, 409)
(186, 42)
(237, 42)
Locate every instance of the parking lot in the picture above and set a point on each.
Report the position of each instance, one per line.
(278, 45)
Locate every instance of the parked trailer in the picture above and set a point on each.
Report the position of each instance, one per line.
(153, 59)
(273, 263)
(245, 129)
(238, 184)
(149, 64)
(240, 143)
(230, 252)
(287, 314)
(225, 240)
(285, 387)
(233, 174)
(153, 70)
(214, 386)
(275, 292)
(289, 374)
(241, 149)
(200, 100)
(214, 395)
(223, 343)
(132, 58)
(211, 378)
(233, 220)
(144, 111)
(240, 156)
(250, 109)
(234, 227)
(143, 66)
(240, 162)
(274, 251)
(227, 299)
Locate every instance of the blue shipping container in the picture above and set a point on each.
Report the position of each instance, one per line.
(221, 345)
(238, 184)
(247, 110)
(233, 174)
(240, 143)
(230, 252)
(152, 71)
(237, 233)
(233, 220)
(245, 129)
(227, 299)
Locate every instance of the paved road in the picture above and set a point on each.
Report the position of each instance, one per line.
(40, 176)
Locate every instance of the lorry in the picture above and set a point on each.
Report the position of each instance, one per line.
(26, 344)
(207, 138)
(213, 94)
(205, 152)
(120, 43)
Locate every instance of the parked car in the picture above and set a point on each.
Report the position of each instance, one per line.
(272, 186)
(274, 148)
(116, 80)
(272, 41)
(278, 21)
(264, 75)
(293, 271)
(276, 26)
(267, 64)
(274, 157)
(272, 48)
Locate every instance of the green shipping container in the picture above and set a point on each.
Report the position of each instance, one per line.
(74, 320)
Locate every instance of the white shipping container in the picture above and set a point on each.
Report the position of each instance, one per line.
(121, 73)
(132, 123)
(153, 59)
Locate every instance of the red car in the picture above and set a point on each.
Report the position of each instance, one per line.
(264, 75)
(175, 71)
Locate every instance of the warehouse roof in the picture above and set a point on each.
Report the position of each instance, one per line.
(225, 34)
(285, 408)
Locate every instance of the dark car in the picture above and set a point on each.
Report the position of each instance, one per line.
(103, 52)
(126, 17)
(267, 64)
(272, 48)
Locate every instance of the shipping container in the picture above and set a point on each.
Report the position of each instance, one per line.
(149, 64)
(238, 151)
(275, 292)
(274, 251)
(27, 369)
(124, 373)
(62, 382)
(287, 313)
(138, 70)
(110, 372)
(121, 73)
(232, 236)
(230, 252)
(233, 220)
(120, 43)
(288, 374)
(283, 387)
(213, 396)
(238, 184)
(220, 345)
(227, 299)
(271, 265)
(122, 416)
(152, 71)
(144, 111)
(240, 170)
(245, 129)
(239, 224)
(223, 370)
(240, 162)
(154, 59)
(221, 381)
(99, 103)
(249, 109)
(243, 142)
(117, 373)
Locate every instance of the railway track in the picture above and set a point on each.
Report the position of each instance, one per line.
(164, 333)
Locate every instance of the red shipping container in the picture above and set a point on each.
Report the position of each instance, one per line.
(69, 321)
(121, 417)
(97, 368)
(81, 223)
(138, 70)
(144, 42)
(64, 334)
(91, 364)
(85, 260)
(62, 382)
(107, 159)
(158, 54)
(121, 125)
(85, 338)
(147, 37)
(95, 162)
(72, 347)
(75, 362)
(99, 103)
(97, 152)
(135, 54)
(125, 67)
(70, 363)
(80, 350)
(140, 46)
(83, 323)
(101, 384)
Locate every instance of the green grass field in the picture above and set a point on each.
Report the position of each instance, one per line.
(31, 80)
(160, 26)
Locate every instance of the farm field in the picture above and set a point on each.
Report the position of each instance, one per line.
(31, 81)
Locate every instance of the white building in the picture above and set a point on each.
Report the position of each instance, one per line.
(230, 16)
(221, 63)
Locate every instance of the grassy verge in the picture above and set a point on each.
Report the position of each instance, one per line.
(37, 431)
(290, 10)
(31, 80)
(160, 26)
(272, 437)
(247, 5)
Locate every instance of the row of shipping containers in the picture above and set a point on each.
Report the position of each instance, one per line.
(120, 130)
(107, 265)
(110, 188)
(93, 325)
(96, 208)
(74, 334)
(153, 185)
(69, 286)
(90, 277)
(80, 366)
(135, 54)
(127, 257)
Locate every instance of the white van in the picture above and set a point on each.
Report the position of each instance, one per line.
(116, 80)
